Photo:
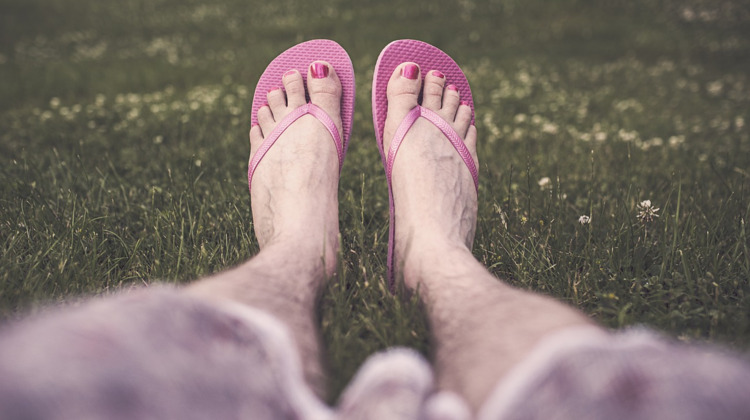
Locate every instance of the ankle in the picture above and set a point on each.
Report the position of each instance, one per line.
(430, 259)
(315, 253)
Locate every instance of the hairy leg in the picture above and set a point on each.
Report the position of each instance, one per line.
(295, 215)
(482, 327)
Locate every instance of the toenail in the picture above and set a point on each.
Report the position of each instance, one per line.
(452, 87)
(410, 71)
(272, 89)
(319, 70)
(464, 103)
(290, 72)
(437, 73)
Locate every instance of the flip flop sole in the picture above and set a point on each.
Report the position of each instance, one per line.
(300, 57)
(429, 58)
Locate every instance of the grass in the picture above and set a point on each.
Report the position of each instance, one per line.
(123, 130)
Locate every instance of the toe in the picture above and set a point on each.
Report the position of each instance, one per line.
(434, 83)
(324, 87)
(295, 89)
(265, 120)
(403, 91)
(463, 119)
(277, 101)
(451, 99)
(325, 91)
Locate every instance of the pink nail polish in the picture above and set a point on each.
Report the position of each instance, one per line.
(319, 70)
(464, 103)
(271, 90)
(410, 71)
(290, 72)
(437, 73)
(452, 87)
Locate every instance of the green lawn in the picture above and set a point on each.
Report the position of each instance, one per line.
(123, 153)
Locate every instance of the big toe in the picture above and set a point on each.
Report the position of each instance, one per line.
(324, 87)
(403, 91)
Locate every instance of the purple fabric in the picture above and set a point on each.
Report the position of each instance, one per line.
(158, 354)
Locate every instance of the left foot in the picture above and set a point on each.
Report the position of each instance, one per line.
(295, 186)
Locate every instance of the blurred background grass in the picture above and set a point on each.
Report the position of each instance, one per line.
(123, 143)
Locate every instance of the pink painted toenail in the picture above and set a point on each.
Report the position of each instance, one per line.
(410, 71)
(464, 103)
(290, 72)
(319, 70)
(452, 87)
(271, 90)
(437, 73)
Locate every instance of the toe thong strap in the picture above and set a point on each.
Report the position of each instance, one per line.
(268, 142)
(440, 123)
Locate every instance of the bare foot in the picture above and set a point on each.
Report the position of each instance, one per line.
(295, 215)
(294, 188)
(433, 191)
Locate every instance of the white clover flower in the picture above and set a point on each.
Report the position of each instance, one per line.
(714, 88)
(584, 220)
(550, 128)
(647, 212)
(675, 141)
(544, 183)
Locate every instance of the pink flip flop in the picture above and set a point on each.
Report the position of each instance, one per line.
(428, 58)
(300, 57)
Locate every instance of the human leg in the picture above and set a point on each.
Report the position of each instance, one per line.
(482, 327)
(295, 215)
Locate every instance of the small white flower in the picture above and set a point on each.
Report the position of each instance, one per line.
(550, 128)
(647, 212)
(544, 183)
(584, 220)
(714, 88)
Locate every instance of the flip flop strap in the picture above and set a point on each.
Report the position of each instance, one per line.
(441, 124)
(308, 108)
(398, 138)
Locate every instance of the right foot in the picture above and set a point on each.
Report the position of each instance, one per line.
(294, 189)
(433, 191)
